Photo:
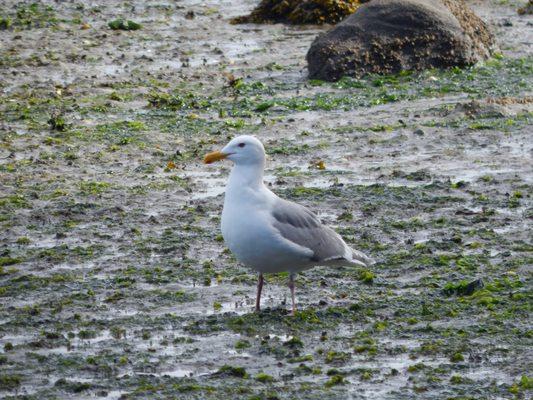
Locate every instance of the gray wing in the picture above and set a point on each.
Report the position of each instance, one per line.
(299, 225)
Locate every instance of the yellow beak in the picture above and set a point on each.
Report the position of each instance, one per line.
(214, 156)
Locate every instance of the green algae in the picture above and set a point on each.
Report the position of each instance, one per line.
(335, 380)
(228, 370)
(28, 16)
(264, 378)
(9, 382)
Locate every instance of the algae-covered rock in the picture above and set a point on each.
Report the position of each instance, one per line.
(123, 25)
(527, 9)
(300, 11)
(388, 36)
(477, 109)
(5, 23)
(463, 288)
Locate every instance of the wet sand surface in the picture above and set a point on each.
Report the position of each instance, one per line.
(114, 279)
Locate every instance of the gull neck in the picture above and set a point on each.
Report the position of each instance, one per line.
(246, 176)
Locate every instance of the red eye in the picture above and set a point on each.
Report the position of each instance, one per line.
(242, 144)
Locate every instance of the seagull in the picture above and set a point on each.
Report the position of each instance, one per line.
(270, 234)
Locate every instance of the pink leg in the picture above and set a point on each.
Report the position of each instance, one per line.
(291, 286)
(259, 289)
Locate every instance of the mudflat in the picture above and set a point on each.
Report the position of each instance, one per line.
(114, 280)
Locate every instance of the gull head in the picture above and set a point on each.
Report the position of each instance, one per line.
(242, 150)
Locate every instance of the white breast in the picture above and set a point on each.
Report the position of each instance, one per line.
(249, 234)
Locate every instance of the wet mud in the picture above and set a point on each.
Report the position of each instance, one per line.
(114, 279)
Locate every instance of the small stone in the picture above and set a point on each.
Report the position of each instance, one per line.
(473, 286)
(506, 22)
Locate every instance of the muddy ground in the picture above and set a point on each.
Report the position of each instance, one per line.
(114, 280)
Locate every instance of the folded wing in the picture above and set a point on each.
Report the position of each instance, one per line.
(299, 225)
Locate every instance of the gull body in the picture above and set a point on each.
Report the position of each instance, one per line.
(247, 226)
(270, 234)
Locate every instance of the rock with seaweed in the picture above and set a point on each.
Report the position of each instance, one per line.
(388, 36)
(527, 9)
(300, 11)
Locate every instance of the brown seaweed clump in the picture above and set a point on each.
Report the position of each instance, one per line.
(300, 12)
(527, 9)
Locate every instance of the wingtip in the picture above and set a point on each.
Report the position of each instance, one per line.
(361, 258)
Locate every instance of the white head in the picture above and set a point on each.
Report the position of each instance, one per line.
(242, 150)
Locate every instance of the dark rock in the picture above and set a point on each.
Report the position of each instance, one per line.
(506, 22)
(472, 287)
(388, 36)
